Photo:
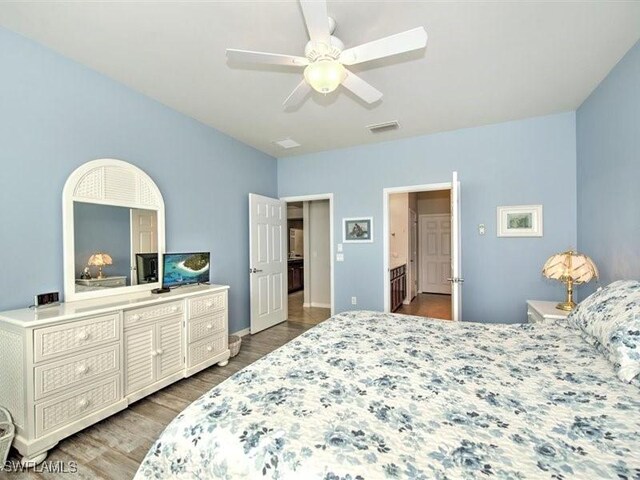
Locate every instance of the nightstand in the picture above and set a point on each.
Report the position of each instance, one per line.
(539, 311)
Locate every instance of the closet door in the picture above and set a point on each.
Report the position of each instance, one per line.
(139, 357)
(169, 341)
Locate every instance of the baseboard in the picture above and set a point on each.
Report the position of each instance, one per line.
(320, 305)
(306, 305)
(407, 302)
(242, 333)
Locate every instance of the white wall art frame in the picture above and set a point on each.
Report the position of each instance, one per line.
(520, 221)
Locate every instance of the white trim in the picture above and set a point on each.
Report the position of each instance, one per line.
(430, 187)
(320, 305)
(242, 333)
(69, 196)
(351, 219)
(310, 198)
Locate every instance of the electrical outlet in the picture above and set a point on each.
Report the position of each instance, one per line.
(481, 229)
(354, 301)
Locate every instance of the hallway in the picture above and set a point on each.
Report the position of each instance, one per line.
(306, 315)
(431, 305)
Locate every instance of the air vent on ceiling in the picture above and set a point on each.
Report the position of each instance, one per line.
(287, 143)
(383, 127)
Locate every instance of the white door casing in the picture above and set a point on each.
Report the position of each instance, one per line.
(413, 254)
(144, 236)
(435, 253)
(456, 251)
(267, 261)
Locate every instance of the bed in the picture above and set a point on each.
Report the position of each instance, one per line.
(367, 395)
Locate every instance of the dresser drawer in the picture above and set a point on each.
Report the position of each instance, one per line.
(139, 315)
(60, 412)
(51, 342)
(201, 306)
(205, 349)
(534, 316)
(206, 326)
(58, 377)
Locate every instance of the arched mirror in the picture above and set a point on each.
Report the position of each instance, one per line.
(113, 230)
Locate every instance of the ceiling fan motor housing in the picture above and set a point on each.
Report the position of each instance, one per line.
(315, 51)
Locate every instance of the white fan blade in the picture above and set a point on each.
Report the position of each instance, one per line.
(298, 95)
(361, 88)
(317, 20)
(247, 56)
(385, 47)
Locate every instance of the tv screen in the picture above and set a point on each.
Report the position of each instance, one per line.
(147, 267)
(185, 268)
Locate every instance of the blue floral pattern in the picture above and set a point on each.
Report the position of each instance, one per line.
(367, 395)
(610, 320)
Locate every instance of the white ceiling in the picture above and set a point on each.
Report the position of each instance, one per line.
(486, 62)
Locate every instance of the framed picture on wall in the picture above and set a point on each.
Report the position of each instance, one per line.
(520, 221)
(357, 230)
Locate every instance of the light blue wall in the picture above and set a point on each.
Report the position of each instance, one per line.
(608, 148)
(56, 115)
(523, 162)
(102, 228)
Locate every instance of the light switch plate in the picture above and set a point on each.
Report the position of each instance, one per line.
(340, 257)
(339, 247)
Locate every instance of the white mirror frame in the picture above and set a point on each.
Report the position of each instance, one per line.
(107, 182)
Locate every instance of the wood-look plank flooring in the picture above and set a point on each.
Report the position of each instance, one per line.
(309, 315)
(114, 448)
(431, 305)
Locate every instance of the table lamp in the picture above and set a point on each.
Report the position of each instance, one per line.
(99, 260)
(571, 268)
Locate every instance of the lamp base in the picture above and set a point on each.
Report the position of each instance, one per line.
(566, 306)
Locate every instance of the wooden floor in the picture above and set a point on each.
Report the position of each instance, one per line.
(114, 448)
(309, 315)
(429, 305)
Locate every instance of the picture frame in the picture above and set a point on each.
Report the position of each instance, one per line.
(357, 230)
(520, 221)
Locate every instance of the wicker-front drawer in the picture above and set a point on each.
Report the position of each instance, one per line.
(60, 376)
(139, 315)
(205, 349)
(206, 326)
(200, 306)
(51, 342)
(61, 411)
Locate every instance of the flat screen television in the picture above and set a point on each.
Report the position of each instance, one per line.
(147, 267)
(185, 268)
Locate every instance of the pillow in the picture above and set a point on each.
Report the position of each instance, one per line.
(610, 319)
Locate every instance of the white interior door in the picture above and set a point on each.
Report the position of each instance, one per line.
(435, 253)
(413, 254)
(456, 251)
(144, 236)
(267, 261)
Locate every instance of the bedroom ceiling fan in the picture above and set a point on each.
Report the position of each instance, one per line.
(325, 56)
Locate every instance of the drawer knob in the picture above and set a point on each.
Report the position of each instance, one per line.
(135, 317)
(209, 304)
(154, 353)
(82, 369)
(209, 326)
(83, 335)
(83, 403)
(174, 308)
(160, 351)
(209, 348)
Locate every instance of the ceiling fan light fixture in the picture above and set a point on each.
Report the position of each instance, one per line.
(325, 75)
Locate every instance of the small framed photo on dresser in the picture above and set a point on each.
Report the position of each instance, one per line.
(357, 230)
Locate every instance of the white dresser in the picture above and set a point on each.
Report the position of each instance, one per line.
(67, 367)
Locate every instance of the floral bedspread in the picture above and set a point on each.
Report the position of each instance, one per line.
(367, 395)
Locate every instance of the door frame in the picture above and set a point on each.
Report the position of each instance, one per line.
(311, 198)
(430, 215)
(429, 187)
